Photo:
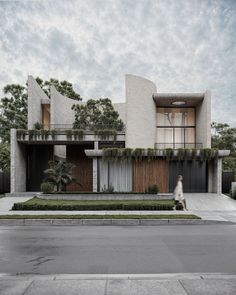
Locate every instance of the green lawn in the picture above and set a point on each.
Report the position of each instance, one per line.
(42, 204)
(84, 216)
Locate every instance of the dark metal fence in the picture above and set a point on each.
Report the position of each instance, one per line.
(4, 182)
(227, 178)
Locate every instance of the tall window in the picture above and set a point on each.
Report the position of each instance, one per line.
(175, 127)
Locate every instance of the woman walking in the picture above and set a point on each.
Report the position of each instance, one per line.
(178, 193)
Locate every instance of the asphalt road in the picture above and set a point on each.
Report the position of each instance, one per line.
(123, 250)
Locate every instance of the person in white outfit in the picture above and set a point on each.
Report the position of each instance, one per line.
(178, 192)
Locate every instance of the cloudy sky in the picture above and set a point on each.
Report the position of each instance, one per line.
(182, 46)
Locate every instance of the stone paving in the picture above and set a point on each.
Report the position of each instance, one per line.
(164, 284)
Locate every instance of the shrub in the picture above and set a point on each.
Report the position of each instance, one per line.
(108, 190)
(38, 126)
(47, 187)
(153, 189)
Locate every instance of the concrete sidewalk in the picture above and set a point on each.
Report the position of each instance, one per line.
(150, 284)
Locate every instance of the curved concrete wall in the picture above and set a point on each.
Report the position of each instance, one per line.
(61, 112)
(141, 112)
(121, 109)
(35, 95)
(203, 121)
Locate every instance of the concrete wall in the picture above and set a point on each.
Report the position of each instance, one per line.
(203, 121)
(61, 112)
(121, 109)
(215, 176)
(35, 95)
(18, 165)
(140, 113)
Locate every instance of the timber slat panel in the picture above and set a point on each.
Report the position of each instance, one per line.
(148, 172)
(83, 171)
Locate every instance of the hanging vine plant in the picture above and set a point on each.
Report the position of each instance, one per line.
(53, 134)
(168, 154)
(194, 154)
(151, 154)
(78, 134)
(69, 134)
(138, 154)
(181, 154)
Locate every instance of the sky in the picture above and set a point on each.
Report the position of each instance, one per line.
(180, 45)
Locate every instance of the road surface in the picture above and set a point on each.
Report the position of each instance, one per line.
(118, 250)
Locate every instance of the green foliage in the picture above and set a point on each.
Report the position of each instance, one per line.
(224, 138)
(69, 134)
(4, 156)
(47, 187)
(64, 87)
(106, 134)
(97, 115)
(108, 190)
(13, 110)
(42, 204)
(60, 174)
(153, 189)
(138, 154)
(78, 134)
(53, 134)
(38, 126)
(168, 153)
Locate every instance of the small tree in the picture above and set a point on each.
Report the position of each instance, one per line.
(60, 174)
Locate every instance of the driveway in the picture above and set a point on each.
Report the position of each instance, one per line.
(210, 202)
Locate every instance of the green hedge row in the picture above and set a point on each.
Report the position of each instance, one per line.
(92, 207)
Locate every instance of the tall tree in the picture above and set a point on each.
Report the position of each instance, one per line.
(64, 87)
(97, 115)
(224, 138)
(13, 109)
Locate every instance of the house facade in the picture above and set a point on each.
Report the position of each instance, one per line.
(157, 125)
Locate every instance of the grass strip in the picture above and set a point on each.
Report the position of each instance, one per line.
(117, 216)
(44, 204)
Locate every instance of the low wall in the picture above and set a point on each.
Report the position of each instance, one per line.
(104, 196)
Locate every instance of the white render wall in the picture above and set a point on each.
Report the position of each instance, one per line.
(18, 165)
(203, 121)
(140, 113)
(35, 95)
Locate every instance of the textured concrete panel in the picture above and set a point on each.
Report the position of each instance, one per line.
(71, 287)
(203, 121)
(61, 112)
(35, 95)
(18, 164)
(13, 287)
(140, 113)
(144, 287)
(209, 287)
(121, 109)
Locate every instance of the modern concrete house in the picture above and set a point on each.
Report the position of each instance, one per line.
(157, 121)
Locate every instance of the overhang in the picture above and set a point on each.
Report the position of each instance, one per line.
(188, 99)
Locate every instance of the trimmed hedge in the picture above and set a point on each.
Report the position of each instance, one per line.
(40, 204)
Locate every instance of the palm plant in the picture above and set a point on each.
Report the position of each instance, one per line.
(60, 174)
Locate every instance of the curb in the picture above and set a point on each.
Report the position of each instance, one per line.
(109, 222)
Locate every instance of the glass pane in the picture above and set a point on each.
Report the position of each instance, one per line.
(190, 135)
(179, 135)
(175, 117)
(165, 138)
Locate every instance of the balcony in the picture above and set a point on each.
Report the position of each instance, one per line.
(65, 134)
(178, 145)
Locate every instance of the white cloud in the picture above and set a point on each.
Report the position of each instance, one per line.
(183, 46)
